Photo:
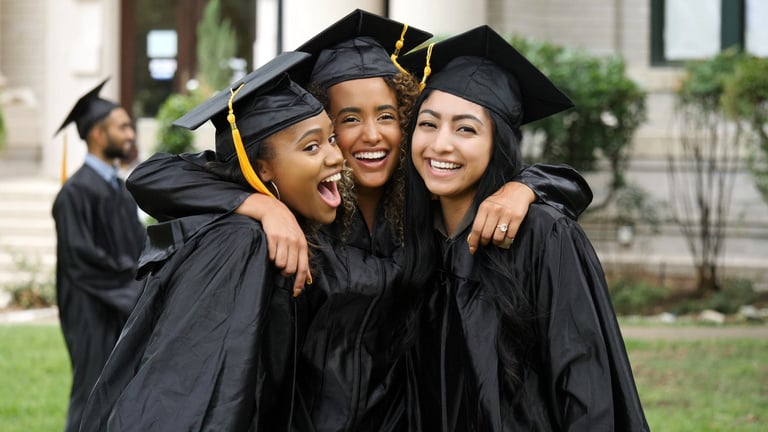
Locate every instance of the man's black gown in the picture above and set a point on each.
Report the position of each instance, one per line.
(579, 378)
(350, 376)
(209, 345)
(99, 240)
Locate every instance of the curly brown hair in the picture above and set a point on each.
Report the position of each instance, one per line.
(406, 89)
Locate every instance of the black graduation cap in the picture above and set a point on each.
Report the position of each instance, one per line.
(267, 102)
(88, 110)
(482, 67)
(359, 45)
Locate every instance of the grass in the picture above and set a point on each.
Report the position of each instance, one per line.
(34, 378)
(710, 385)
(706, 385)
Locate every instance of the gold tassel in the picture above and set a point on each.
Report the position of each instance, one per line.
(427, 69)
(398, 46)
(245, 164)
(64, 160)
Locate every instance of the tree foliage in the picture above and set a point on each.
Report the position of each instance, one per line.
(745, 99)
(704, 167)
(216, 45)
(609, 107)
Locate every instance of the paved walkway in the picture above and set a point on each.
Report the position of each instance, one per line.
(648, 332)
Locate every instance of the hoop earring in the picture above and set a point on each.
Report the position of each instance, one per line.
(277, 191)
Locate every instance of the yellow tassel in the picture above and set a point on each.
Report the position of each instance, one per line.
(245, 164)
(398, 46)
(427, 68)
(64, 160)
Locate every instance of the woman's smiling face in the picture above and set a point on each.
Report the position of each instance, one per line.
(305, 163)
(367, 123)
(451, 145)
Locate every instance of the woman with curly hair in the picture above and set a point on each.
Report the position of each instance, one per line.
(351, 372)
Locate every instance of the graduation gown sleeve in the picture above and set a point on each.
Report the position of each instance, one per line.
(559, 186)
(169, 186)
(209, 344)
(587, 375)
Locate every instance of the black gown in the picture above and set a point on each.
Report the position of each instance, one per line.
(350, 374)
(99, 239)
(579, 377)
(210, 343)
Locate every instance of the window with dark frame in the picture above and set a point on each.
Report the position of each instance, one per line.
(683, 30)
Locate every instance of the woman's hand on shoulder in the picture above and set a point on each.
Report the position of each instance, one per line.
(500, 215)
(288, 249)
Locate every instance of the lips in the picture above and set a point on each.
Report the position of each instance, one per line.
(443, 166)
(371, 159)
(371, 155)
(329, 191)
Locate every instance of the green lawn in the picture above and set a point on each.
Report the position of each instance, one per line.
(34, 378)
(698, 386)
(717, 385)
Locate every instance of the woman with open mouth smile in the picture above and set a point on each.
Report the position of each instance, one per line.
(209, 344)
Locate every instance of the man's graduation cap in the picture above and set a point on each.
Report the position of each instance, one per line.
(357, 46)
(262, 103)
(88, 111)
(482, 67)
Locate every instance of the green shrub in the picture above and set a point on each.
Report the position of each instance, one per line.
(173, 139)
(631, 297)
(745, 98)
(735, 293)
(33, 288)
(609, 107)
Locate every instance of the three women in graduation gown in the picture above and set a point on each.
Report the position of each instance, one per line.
(350, 371)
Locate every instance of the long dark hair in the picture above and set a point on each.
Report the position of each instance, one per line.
(423, 253)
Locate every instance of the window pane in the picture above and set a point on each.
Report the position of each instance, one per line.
(691, 29)
(756, 35)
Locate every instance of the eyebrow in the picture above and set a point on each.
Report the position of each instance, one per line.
(313, 131)
(309, 133)
(357, 110)
(454, 118)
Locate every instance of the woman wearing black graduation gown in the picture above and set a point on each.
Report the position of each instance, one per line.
(519, 339)
(350, 374)
(210, 344)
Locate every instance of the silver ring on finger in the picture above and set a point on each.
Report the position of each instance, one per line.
(502, 227)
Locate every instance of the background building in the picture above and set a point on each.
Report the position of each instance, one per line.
(53, 51)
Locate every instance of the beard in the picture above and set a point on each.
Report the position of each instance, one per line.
(116, 150)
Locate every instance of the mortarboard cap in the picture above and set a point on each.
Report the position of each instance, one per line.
(268, 102)
(482, 67)
(88, 110)
(359, 45)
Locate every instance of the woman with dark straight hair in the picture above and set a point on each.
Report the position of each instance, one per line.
(513, 339)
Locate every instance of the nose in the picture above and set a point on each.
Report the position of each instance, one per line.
(442, 142)
(131, 134)
(333, 156)
(371, 132)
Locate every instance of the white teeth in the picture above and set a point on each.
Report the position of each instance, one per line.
(443, 165)
(334, 178)
(370, 155)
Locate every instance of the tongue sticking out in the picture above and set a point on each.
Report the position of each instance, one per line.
(330, 193)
